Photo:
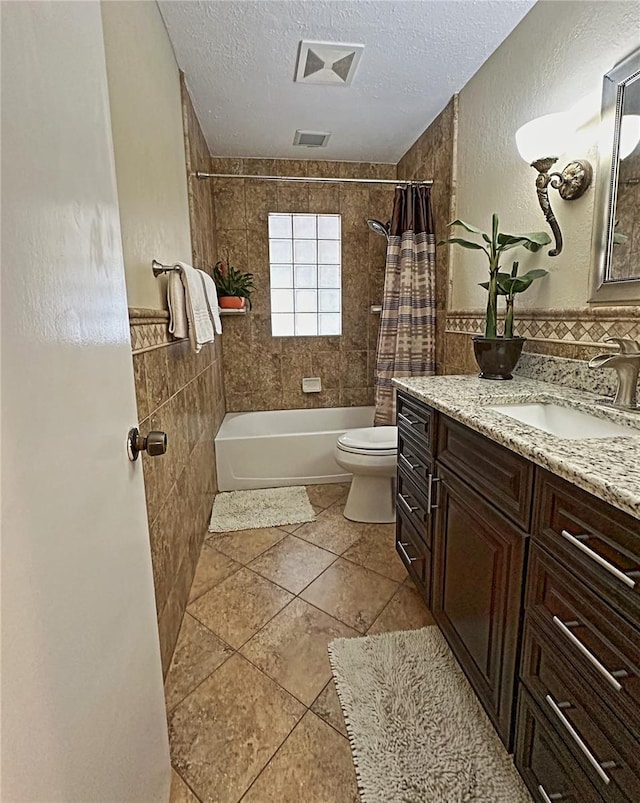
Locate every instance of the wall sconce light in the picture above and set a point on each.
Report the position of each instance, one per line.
(539, 142)
(629, 135)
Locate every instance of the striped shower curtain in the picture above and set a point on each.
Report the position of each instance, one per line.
(407, 337)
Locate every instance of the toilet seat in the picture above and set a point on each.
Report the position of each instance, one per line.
(378, 441)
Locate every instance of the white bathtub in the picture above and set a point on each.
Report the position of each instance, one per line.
(284, 447)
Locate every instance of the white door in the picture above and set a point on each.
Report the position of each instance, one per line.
(82, 703)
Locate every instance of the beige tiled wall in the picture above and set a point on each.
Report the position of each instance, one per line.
(181, 393)
(432, 157)
(265, 373)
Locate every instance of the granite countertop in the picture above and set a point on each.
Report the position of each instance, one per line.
(609, 468)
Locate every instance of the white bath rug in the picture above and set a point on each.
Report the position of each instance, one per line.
(265, 507)
(418, 734)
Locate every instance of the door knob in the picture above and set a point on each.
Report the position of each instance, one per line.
(154, 444)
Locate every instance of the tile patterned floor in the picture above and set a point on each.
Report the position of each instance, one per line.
(253, 712)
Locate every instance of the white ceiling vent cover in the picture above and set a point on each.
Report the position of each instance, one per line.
(311, 139)
(328, 63)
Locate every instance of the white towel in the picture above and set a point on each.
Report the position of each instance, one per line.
(212, 299)
(177, 309)
(200, 322)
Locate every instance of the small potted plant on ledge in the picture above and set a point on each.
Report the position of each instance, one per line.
(497, 355)
(234, 287)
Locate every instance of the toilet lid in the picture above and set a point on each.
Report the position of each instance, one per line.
(370, 440)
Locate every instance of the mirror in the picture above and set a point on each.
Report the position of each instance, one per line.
(616, 245)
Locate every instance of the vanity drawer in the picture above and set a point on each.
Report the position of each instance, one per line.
(416, 421)
(602, 645)
(414, 461)
(414, 554)
(414, 505)
(501, 476)
(600, 543)
(607, 753)
(546, 766)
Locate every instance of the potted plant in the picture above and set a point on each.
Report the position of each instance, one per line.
(497, 355)
(234, 287)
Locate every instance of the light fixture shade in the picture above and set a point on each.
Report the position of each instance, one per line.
(546, 136)
(629, 134)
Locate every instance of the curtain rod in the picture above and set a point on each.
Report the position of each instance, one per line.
(398, 182)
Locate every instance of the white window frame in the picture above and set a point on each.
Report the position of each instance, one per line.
(305, 274)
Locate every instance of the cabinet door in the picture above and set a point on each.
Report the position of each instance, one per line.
(478, 559)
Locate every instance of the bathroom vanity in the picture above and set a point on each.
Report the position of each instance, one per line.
(526, 547)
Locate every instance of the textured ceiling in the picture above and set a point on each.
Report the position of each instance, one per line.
(239, 57)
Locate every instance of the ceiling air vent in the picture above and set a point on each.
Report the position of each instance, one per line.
(311, 139)
(327, 63)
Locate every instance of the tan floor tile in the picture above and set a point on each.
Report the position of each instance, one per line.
(327, 706)
(323, 496)
(406, 611)
(376, 550)
(212, 567)
(292, 563)
(198, 652)
(292, 649)
(331, 530)
(180, 792)
(314, 765)
(351, 593)
(245, 545)
(224, 733)
(238, 606)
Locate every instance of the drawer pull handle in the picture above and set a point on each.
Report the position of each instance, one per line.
(410, 422)
(598, 559)
(578, 739)
(548, 798)
(431, 480)
(408, 463)
(587, 654)
(404, 552)
(402, 498)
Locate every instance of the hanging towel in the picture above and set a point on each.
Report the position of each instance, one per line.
(200, 322)
(212, 300)
(178, 326)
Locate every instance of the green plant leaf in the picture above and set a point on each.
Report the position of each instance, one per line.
(501, 292)
(463, 243)
(467, 226)
(535, 273)
(518, 284)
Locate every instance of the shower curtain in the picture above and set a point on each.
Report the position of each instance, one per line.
(407, 337)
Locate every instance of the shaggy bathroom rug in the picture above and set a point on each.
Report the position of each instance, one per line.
(417, 732)
(265, 507)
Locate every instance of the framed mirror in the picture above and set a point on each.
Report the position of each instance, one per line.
(616, 232)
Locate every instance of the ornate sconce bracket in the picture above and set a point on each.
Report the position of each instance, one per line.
(571, 184)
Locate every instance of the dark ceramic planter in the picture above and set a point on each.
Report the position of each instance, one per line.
(497, 356)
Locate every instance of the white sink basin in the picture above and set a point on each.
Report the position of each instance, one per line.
(564, 422)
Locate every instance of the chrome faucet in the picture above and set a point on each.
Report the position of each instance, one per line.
(627, 365)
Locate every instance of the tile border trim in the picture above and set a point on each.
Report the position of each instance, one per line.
(571, 327)
(149, 329)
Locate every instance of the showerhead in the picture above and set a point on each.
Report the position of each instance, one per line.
(378, 227)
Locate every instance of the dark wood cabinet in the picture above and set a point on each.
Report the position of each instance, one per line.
(535, 584)
(502, 477)
(544, 762)
(478, 559)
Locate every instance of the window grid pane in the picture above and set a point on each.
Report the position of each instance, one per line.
(306, 296)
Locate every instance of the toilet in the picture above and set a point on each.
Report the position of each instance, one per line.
(370, 455)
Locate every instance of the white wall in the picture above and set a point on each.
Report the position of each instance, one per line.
(554, 60)
(146, 118)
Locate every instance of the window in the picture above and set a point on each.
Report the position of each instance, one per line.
(304, 258)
